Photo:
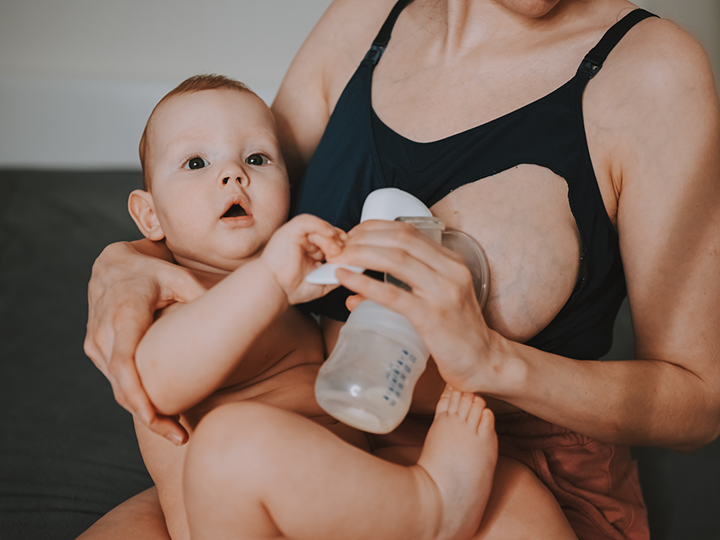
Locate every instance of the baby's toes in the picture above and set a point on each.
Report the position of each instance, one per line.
(444, 402)
(486, 426)
(454, 401)
(465, 405)
(475, 414)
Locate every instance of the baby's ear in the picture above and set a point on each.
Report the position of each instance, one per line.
(142, 210)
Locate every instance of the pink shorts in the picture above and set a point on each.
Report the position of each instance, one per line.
(596, 484)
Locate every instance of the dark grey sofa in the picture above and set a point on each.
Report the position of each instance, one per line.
(68, 451)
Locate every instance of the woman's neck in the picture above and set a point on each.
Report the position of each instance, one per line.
(467, 24)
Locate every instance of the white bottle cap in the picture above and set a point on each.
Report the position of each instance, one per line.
(385, 203)
(392, 203)
(325, 274)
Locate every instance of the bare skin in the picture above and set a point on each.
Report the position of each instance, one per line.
(240, 360)
(653, 139)
(653, 129)
(300, 482)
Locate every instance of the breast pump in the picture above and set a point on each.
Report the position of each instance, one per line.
(368, 380)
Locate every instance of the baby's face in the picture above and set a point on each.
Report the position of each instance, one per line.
(218, 180)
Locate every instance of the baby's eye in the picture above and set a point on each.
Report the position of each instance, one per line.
(196, 163)
(256, 159)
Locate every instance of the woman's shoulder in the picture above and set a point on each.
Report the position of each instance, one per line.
(651, 115)
(352, 23)
(340, 39)
(657, 81)
(662, 61)
(319, 72)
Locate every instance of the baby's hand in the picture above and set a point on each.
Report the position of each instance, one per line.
(296, 249)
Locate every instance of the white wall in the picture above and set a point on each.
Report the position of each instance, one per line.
(78, 78)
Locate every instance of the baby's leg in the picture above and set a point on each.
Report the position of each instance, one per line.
(255, 471)
(459, 454)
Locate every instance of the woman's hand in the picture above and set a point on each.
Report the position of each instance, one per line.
(296, 249)
(442, 305)
(125, 290)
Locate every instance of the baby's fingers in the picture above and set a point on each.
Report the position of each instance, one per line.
(319, 234)
(322, 246)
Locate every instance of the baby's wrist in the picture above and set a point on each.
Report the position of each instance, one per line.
(283, 295)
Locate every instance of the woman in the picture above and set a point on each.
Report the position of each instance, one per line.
(557, 163)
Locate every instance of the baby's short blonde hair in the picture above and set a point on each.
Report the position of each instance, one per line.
(197, 83)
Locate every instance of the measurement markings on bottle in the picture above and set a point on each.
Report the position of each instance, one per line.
(397, 375)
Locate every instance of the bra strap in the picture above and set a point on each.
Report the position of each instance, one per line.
(383, 37)
(594, 59)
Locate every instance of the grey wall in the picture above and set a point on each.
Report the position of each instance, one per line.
(78, 78)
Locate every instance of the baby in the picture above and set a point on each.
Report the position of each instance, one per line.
(238, 364)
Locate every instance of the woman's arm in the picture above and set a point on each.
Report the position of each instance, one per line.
(665, 168)
(318, 74)
(129, 282)
(662, 116)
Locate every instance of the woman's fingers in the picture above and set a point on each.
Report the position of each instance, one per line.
(385, 294)
(177, 284)
(351, 302)
(441, 304)
(130, 394)
(125, 290)
(399, 250)
(114, 355)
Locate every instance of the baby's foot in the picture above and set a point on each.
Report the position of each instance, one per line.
(459, 454)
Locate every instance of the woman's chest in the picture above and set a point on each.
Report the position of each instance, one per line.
(504, 162)
(522, 219)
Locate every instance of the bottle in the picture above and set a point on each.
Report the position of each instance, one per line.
(387, 204)
(368, 380)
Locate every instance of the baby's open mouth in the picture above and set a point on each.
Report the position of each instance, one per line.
(235, 211)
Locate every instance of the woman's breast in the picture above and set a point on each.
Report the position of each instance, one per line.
(522, 219)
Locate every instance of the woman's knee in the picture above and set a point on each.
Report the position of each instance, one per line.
(521, 506)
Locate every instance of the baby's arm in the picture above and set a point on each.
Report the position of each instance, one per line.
(191, 350)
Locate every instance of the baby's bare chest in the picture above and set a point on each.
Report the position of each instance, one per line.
(279, 369)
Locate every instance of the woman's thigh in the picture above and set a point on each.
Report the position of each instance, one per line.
(138, 518)
(520, 507)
